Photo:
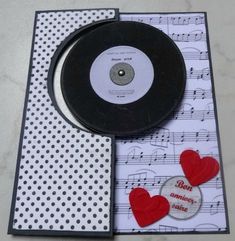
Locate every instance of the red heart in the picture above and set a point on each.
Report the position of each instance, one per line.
(198, 170)
(146, 209)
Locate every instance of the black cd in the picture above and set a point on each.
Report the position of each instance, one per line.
(123, 78)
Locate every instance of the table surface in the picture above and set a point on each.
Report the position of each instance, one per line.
(16, 28)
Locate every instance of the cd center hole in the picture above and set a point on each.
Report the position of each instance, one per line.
(121, 72)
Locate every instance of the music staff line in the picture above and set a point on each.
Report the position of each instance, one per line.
(165, 228)
(193, 114)
(188, 37)
(195, 55)
(161, 138)
(187, 112)
(153, 159)
(206, 207)
(156, 182)
(194, 36)
(201, 74)
(199, 94)
(165, 20)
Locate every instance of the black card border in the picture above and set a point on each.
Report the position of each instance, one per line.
(97, 234)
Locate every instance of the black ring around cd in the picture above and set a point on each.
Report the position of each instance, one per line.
(155, 106)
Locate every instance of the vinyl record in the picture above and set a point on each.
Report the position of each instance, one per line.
(123, 78)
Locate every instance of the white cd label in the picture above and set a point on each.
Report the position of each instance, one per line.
(121, 74)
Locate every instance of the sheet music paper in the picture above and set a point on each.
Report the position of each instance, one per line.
(149, 160)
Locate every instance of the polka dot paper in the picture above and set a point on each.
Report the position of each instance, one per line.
(63, 182)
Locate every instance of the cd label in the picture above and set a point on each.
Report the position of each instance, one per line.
(121, 74)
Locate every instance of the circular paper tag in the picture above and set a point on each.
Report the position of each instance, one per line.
(185, 200)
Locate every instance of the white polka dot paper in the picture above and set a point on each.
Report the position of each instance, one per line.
(64, 175)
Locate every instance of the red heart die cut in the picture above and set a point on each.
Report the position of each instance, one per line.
(146, 209)
(198, 170)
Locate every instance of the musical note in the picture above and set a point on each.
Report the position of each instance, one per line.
(216, 205)
(158, 156)
(135, 154)
(203, 74)
(181, 20)
(193, 114)
(199, 20)
(202, 55)
(214, 208)
(157, 20)
(135, 180)
(160, 138)
(164, 20)
(198, 94)
(188, 37)
(190, 53)
(218, 182)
